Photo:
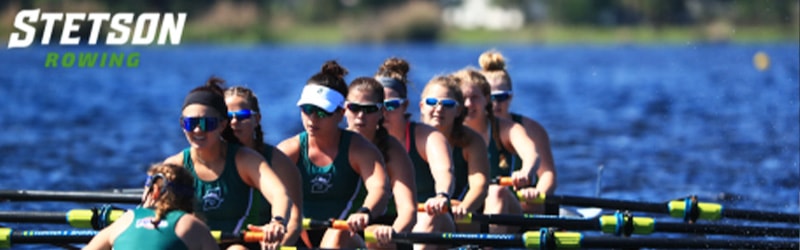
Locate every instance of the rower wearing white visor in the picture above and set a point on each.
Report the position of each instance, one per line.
(334, 163)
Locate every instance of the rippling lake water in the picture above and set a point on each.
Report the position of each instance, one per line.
(662, 121)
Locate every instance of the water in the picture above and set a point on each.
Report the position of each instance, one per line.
(663, 121)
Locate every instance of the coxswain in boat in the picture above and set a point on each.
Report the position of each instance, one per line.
(163, 221)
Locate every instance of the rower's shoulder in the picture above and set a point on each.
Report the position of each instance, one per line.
(531, 125)
(176, 159)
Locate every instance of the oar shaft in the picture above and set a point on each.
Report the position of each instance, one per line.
(33, 217)
(74, 196)
(9, 237)
(616, 242)
(760, 215)
(494, 240)
(537, 221)
(79, 218)
(726, 229)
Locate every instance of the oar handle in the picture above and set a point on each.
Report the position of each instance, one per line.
(539, 199)
(504, 181)
(465, 220)
(309, 224)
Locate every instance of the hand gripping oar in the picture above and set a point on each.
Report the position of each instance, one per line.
(548, 239)
(10, 237)
(626, 224)
(96, 218)
(75, 196)
(688, 209)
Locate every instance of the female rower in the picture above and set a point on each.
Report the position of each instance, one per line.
(335, 163)
(442, 106)
(227, 175)
(163, 221)
(364, 112)
(245, 116)
(503, 138)
(427, 147)
(493, 65)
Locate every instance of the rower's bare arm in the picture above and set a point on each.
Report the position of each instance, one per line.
(195, 234)
(259, 175)
(367, 161)
(547, 167)
(290, 176)
(522, 144)
(105, 238)
(438, 154)
(478, 170)
(401, 172)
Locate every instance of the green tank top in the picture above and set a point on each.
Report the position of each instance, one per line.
(260, 203)
(225, 203)
(329, 191)
(141, 234)
(515, 160)
(426, 187)
(494, 157)
(460, 173)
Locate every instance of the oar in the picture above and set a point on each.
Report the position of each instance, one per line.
(688, 209)
(10, 237)
(74, 196)
(322, 224)
(547, 239)
(622, 224)
(79, 218)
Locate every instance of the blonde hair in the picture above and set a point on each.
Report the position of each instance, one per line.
(457, 134)
(469, 77)
(494, 67)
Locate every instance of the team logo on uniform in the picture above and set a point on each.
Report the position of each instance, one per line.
(212, 199)
(148, 223)
(321, 183)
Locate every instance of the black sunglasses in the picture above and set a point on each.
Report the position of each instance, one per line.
(366, 108)
(501, 96)
(309, 109)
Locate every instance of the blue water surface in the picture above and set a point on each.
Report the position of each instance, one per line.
(663, 121)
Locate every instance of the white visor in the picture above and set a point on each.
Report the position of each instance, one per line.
(322, 97)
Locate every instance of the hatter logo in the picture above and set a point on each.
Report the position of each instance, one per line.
(212, 199)
(321, 183)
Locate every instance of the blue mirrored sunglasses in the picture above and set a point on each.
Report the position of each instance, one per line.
(445, 102)
(394, 103)
(243, 114)
(501, 96)
(309, 109)
(204, 123)
(367, 108)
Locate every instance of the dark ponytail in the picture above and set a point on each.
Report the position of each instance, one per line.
(332, 76)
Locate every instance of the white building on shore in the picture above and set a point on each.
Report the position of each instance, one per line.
(476, 14)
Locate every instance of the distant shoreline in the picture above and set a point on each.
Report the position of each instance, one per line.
(531, 34)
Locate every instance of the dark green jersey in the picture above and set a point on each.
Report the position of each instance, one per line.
(142, 234)
(329, 191)
(225, 203)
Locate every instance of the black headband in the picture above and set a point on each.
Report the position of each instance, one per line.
(392, 83)
(208, 98)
